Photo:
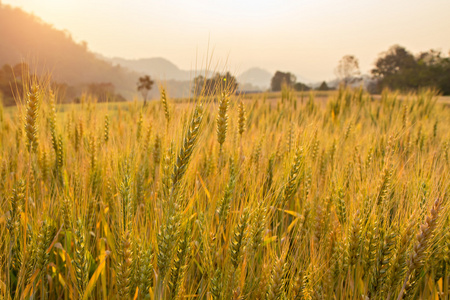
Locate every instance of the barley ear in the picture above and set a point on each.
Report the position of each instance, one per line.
(242, 118)
(165, 105)
(80, 260)
(187, 148)
(423, 239)
(277, 280)
(237, 241)
(106, 130)
(222, 119)
(293, 178)
(31, 118)
(123, 267)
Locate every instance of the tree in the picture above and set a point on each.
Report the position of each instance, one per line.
(348, 69)
(215, 84)
(399, 69)
(21, 69)
(281, 78)
(323, 87)
(222, 83)
(11, 82)
(394, 61)
(395, 68)
(199, 82)
(301, 87)
(104, 91)
(144, 86)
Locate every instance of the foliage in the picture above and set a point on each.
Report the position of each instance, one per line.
(102, 91)
(398, 69)
(323, 87)
(13, 78)
(280, 78)
(214, 85)
(347, 70)
(144, 86)
(11, 81)
(298, 86)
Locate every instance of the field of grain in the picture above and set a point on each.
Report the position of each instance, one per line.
(346, 197)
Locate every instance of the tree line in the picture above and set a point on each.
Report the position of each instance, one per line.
(218, 82)
(399, 69)
(13, 78)
(395, 69)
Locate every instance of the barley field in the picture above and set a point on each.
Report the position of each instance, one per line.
(221, 197)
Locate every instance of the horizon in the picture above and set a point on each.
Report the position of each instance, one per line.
(307, 39)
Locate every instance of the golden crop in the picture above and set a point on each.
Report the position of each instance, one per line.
(226, 197)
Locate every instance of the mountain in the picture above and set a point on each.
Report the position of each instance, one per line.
(162, 69)
(44, 49)
(256, 77)
(27, 38)
(157, 67)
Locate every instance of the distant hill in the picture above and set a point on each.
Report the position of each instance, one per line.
(27, 38)
(256, 77)
(157, 67)
(162, 69)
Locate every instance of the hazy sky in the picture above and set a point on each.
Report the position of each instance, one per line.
(305, 37)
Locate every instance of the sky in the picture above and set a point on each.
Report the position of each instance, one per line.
(305, 37)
